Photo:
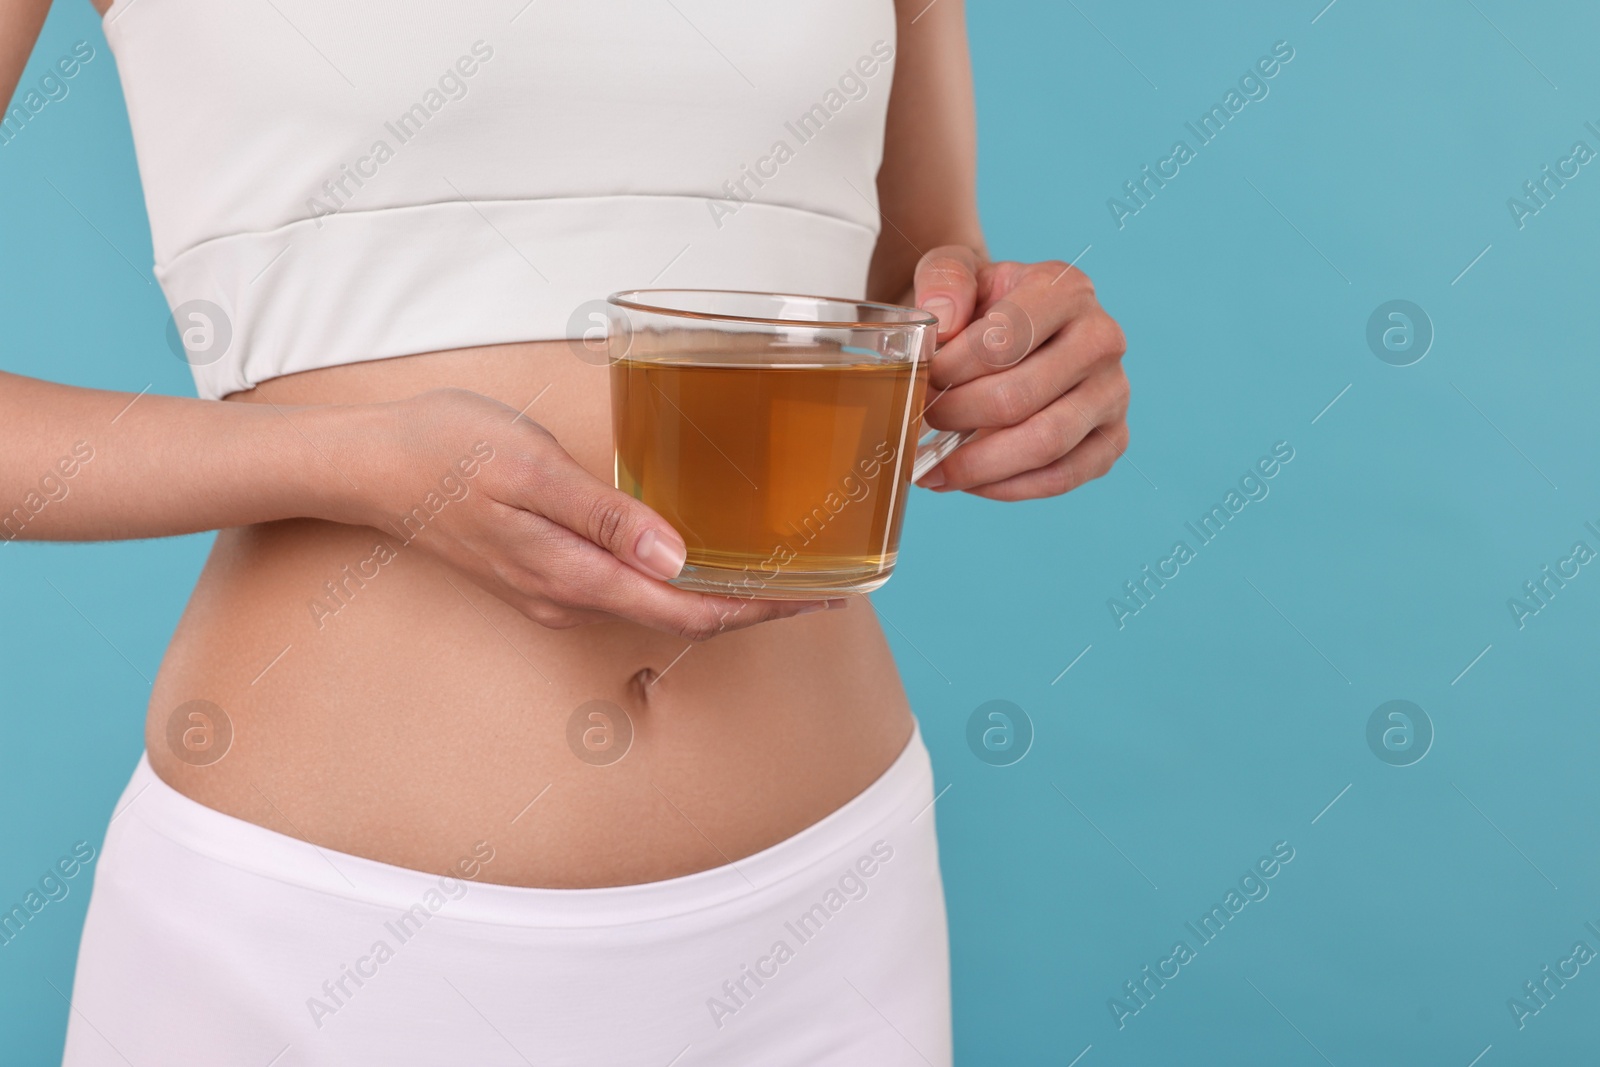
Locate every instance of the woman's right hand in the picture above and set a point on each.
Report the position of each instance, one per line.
(495, 496)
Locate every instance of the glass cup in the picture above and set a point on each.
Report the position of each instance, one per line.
(778, 434)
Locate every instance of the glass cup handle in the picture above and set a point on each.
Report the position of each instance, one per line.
(934, 447)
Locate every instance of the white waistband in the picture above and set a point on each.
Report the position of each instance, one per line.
(884, 808)
(367, 285)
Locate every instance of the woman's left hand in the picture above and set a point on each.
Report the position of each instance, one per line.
(1030, 360)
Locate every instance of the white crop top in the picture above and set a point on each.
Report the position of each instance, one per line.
(354, 181)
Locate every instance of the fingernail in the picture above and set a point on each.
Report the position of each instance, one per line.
(811, 609)
(933, 479)
(661, 556)
(944, 309)
(836, 605)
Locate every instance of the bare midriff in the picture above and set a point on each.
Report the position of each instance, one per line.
(413, 715)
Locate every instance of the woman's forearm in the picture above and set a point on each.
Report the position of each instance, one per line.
(85, 464)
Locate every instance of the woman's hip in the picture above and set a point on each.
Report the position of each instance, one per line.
(210, 940)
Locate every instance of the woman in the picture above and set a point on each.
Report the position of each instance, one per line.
(361, 833)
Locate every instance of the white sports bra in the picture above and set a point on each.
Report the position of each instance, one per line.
(354, 181)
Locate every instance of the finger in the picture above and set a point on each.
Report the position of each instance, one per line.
(1059, 365)
(1091, 459)
(1027, 305)
(554, 486)
(585, 579)
(694, 616)
(1041, 439)
(695, 621)
(946, 284)
(739, 613)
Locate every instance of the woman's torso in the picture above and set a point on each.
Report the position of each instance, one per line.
(415, 715)
(410, 715)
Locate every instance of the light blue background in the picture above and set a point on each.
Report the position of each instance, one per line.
(1215, 723)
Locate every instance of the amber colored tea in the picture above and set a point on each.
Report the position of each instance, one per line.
(785, 478)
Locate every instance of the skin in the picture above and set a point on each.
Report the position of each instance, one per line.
(430, 712)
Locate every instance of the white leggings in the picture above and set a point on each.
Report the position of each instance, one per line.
(214, 941)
